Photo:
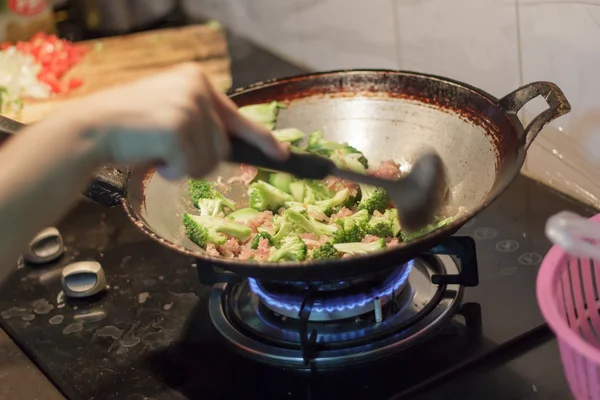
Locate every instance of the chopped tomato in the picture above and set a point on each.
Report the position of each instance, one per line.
(74, 83)
(5, 45)
(56, 57)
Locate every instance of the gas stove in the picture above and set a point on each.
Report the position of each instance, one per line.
(336, 324)
(161, 332)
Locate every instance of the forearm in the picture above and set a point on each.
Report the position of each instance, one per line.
(42, 171)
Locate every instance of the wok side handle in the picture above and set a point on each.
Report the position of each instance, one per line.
(557, 103)
(108, 183)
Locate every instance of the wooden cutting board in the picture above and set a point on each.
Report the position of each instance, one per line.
(122, 59)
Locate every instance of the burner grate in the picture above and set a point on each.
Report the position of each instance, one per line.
(240, 310)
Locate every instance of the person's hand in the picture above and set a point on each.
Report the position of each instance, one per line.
(176, 118)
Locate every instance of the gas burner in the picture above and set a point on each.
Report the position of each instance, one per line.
(264, 325)
(330, 305)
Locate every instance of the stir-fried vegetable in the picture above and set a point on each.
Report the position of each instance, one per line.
(292, 219)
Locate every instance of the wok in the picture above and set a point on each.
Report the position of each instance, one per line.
(385, 114)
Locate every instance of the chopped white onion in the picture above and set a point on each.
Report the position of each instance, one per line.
(18, 79)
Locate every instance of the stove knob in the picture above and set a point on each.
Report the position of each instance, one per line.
(83, 279)
(45, 247)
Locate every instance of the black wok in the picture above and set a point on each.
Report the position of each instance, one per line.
(385, 114)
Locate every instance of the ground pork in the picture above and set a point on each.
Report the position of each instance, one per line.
(247, 175)
(388, 169)
(231, 248)
(262, 220)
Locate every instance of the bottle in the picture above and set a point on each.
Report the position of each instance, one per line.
(21, 19)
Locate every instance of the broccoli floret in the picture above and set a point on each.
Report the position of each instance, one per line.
(318, 145)
(380, 225)
(325, 252)
(210, 207)
(352, 228)
(360, 248)
(308, 224)
(385, 225)
(243, 214)
(289, 135)
(281, 181)
(203, 189)
(291, 248)
(358, 218)
(297, 190)
(373, 198)
(267, 197)
(261, 235)
(328, 206)
(264, 114)
(206, 229)
(283, 228)
(392, 215)
(346, 158)
(408, 236)
(316, 191)
(352, 232)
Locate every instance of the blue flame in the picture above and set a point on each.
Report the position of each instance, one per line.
(392, 284)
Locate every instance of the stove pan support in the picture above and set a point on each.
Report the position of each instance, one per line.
(208, 274)
(308, 342)
(463, 248)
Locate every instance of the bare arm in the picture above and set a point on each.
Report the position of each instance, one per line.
(42, 171)
(175, 117)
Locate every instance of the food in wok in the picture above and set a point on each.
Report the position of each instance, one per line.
(284, 218)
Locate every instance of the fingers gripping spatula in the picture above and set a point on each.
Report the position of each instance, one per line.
(418, 196)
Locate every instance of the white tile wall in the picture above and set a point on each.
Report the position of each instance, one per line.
(470, 40)
(493, 44)
(560, 42)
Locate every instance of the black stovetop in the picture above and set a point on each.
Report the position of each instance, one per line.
(150, 336)
(151, 331)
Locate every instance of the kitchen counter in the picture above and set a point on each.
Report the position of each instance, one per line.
(536, 374)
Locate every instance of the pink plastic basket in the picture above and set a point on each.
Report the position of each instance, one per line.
(568, 290)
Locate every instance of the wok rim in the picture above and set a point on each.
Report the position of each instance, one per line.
(388, 252)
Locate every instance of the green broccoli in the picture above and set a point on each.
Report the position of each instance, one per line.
(267, 197)
(380, 225)
(351, 232)
(328, 206)
(353, 161)
(297, 190)
(243, 214)
(316, 191)
(264, 114)
(385, 225)
(392, 215)
(206, 229)
(291, 248)
(283, 228)
(359, 218)
(318, 145)
(281, 181)
(373, 198)
(210, 207)
(325, 252)
(408, 236)
(261, 235)
(203, 189)
(289, 135)
(308, 224)
(360, 248)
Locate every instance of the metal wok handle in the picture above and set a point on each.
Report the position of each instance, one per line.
(559, 105)
(108, 184)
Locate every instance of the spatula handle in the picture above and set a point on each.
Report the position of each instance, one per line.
(302, 165)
